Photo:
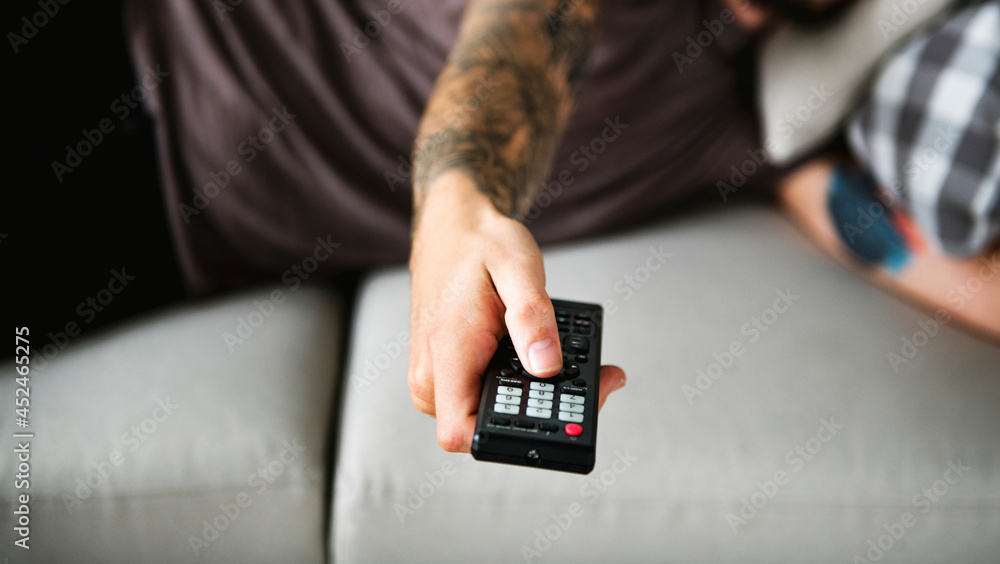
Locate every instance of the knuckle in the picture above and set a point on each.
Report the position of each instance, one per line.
(535, 309)
(421, 385)
(520, 258)
(419, 388)
(421, 405)
(438, 340)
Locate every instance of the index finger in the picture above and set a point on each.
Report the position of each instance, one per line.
(461, 354)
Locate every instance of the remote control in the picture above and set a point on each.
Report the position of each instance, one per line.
(545, 422)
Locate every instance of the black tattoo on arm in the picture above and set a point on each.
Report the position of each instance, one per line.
(501, 104)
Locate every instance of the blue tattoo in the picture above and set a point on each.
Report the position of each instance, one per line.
(863, 222)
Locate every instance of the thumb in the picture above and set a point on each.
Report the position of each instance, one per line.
(530, 316)
(612, 379)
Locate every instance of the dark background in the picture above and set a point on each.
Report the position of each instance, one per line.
(63, 239)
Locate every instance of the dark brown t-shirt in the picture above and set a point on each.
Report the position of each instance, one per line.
(285, 126)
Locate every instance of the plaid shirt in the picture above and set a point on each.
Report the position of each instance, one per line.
(930, 130)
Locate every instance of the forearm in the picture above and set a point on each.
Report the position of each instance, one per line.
(929, 278)
(501, 104)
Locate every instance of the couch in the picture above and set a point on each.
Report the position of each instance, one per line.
(767, 418)
(778, 409)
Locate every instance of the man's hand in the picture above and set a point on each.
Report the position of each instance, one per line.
(479, 158)
(475, 274)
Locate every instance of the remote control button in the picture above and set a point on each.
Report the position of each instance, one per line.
(571, 398)
(516, 364)
(544, 404)
(549, 427)
(584, 326)
(541, 395)
(582, 359)
(542, 386)
(562, 313)
(541, 413)
(580, 383)
(577, 344)
(570, 407)
(524, 424)
(508, 409)
(572, 417)
(500, 420)
(571, 370)
(509, 391)
(507, 372)
(573, 429)
(511, 400)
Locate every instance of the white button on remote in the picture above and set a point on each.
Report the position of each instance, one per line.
(570, 407)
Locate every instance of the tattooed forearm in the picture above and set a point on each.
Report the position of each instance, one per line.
(501, 104)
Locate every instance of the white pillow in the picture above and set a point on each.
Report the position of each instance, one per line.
(810, 79)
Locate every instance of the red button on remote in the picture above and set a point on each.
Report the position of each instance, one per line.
(572, 429)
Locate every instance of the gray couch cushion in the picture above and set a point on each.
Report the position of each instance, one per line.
(145, 432)
(806, 446)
